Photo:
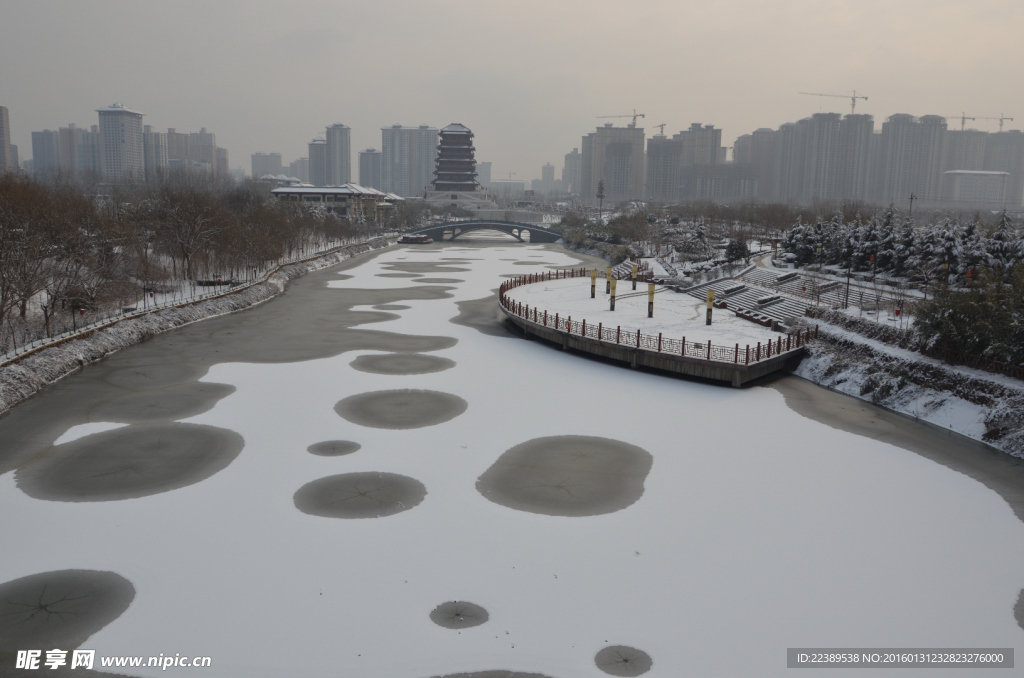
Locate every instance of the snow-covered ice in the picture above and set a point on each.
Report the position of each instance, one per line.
(758, 529)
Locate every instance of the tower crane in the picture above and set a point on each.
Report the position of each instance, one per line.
(852, 97)
(963, 120)
(1002, 119)
(661, 128)
(633, 115)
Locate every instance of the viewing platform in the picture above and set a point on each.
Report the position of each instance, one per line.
(675, 340)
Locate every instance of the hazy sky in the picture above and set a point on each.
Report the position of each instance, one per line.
(529, 77)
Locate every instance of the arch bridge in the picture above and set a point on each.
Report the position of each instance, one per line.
(514, 228)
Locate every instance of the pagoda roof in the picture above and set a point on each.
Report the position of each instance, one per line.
(456, 127)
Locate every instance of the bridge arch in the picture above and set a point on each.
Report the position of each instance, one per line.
(513, 228)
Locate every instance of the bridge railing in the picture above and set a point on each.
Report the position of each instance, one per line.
(635, 338)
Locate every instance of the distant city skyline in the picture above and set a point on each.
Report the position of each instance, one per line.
(259, 81)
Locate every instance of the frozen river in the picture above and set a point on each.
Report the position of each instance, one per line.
(368, 476)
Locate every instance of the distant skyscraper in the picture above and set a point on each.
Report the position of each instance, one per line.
(663, 160)
(483, 173)
(669, 177)
(300, 170)
(1004, 152)
(15, 162)
(7, 164)
(177, 150)
(787, 174)
(855, 134)
(369, 168)
(69, 140)
(339, 155)
(318, 161)
(820, 176)
(265, 163)
(89, 153)
(965, 149)
(202, 150)
(570, 173)
(223, 167)
(912, 158)
(615, 155)
(407, 159)
(154, 152)
(121, 139)
(46, 152)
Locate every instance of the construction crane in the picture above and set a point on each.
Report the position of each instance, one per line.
(852, 97)
(634, 115)
(964, 118)
(661, 128)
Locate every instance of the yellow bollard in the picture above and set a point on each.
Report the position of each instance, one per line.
(607, 280)
(613, 294)
(635, 267)
(593, 283)
(711, 305)
(650, 300)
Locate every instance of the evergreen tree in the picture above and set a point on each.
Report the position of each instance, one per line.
(905, 248)
(1001, 249)
(867, 245)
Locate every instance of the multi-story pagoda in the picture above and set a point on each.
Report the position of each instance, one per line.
(455, 168)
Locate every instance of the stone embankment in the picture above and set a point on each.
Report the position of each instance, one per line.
(35, 370)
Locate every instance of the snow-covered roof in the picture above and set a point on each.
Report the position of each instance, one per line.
(977, 172)
(346, 189)
(117, 108)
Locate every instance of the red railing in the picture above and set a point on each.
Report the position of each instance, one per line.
(635, 338)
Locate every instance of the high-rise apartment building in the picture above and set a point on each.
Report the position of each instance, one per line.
(121, 143)
(616, 156)
(407, 159)
(7, 164)
(820, 176)
(1004, 152)
(202, 151)
(663, 163)
(46, 152)
(483, 174)
(339, 155)
(855, 135)
(15, 162)
(223, 167)
(912, 158)
(965, 150)
(265, 163)
(299, 169)
(318, 161)
(370, 168)
(570, 173)
(154, 152)
(177, 150)
(669, 162)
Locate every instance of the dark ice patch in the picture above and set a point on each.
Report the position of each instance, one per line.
(567, 476)
(130, 462)
(360, 495)
(400, 409)
(401, 363)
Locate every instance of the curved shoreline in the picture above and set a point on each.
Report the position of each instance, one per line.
(23, 379)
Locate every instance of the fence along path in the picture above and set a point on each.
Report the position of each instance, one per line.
(635, 338)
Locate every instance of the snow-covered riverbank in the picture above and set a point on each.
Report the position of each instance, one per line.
(32, 373)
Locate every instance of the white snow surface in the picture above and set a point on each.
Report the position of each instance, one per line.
(758, 529)
(675, 315)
